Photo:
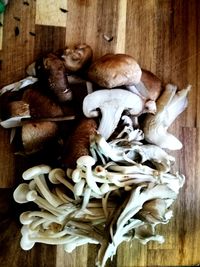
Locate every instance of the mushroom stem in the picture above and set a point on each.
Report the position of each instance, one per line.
(111, 115)
(28, 216)
(42, 203)
(57, 176)
(85, 163)
(50, 197)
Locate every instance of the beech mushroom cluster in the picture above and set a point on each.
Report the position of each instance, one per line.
(114, 181)
(108, 201)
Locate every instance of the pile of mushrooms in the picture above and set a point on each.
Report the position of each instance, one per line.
(117, 182)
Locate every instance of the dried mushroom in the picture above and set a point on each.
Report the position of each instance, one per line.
(77, 58)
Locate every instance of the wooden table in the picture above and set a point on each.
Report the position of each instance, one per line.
(164, 37)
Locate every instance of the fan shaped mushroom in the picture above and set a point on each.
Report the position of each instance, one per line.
(169, 105)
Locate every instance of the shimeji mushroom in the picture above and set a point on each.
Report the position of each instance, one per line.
(23, 194)
(38, 188)
(28, 217)
(170, 104)
(37, 173)
(111, 103)
(86, 162)
(30, 237)
(57, 176)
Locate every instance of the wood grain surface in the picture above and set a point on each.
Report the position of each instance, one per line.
(164, 37)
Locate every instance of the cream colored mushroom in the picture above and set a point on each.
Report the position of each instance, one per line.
(111, 104)
(170, 104)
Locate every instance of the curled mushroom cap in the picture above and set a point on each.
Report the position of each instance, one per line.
(111, 103)
(77, 57)
(170, 105)
(54, 74)
(113, 70)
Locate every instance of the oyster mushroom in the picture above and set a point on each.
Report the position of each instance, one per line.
(169, 105)
(111, 103)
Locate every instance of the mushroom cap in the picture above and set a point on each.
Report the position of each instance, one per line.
(85, 161)
(35, 135)
(20, 193)
(152, 84)
(112, 70)
(54, 173)
(36, 170)
(53, 73)
(75, 58)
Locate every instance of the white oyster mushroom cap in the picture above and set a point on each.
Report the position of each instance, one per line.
(111, 104)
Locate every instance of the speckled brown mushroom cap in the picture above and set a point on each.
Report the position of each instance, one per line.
(114, 70)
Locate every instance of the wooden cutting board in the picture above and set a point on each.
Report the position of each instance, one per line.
(164, 37)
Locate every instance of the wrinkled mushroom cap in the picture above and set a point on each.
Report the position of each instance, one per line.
(77, 57)
(113, 70)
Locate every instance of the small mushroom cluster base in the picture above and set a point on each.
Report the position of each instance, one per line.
(118, 193)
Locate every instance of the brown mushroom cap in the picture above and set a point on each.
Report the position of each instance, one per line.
(35, 135)
(113, 70)
(152, 83)
(75, 58)
(55, 74)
